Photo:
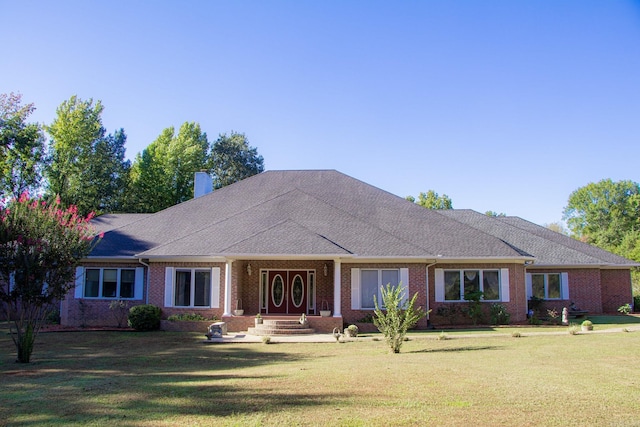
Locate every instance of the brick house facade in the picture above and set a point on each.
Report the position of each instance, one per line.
(284, 243)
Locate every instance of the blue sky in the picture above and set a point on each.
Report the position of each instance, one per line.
(502, 105)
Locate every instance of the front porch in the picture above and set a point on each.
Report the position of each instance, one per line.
(282, 289)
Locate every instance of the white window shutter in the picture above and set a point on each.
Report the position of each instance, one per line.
(439, 279)
(504, 284)
(404, 280)
(355, 289)
(79, 293)
(529, 285)
(139, 283)
(168, 287)
(564, 282)
(215, 287)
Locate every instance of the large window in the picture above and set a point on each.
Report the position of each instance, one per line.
(192, 288)
(110, 283)
(546, 286)
(458, 283)
(371, 281)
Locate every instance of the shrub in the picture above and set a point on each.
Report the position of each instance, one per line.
(474, 308)
(625, 309)
(574, 329)
(266, 340)
(190, 317)
(636, 303)
(397, 317)
(119, 310)
(535, 305)
(499, 314)
(449, 312)
(144, 317)
(516, 334)
(442, 336)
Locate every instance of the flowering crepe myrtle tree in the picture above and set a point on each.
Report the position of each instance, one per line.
(40, 246)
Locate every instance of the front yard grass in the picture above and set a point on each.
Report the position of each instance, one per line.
(170, 379)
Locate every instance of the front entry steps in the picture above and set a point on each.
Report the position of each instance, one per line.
(270, 327)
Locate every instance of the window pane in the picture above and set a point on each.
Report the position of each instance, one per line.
(537, 285)
(553, 286)
(127, 282)
(471, 281)
(491, 285)
(390, 277)
(452, 285)
(202, 292)
(368, 287)
(109, 283)
(183, 288)
(91, 283)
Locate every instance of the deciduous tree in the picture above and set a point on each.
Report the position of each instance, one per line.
(432, 200)
(397, 315)
(602, 213)
(40, 246)
(22, 147)
(162, 175)
(232, 159)
(88, 168)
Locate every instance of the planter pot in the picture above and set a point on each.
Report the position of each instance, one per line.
(258, 322)
(325, 313)
(238, 312)
(587, 328)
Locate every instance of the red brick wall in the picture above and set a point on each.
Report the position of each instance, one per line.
(616, 289)
(417, 284)
(157, 285)
(584, 289)
(516, 306)
(94, 312)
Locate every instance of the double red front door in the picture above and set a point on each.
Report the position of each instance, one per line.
(287, 291)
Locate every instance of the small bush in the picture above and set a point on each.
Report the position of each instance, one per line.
(625, 309)
(266, 340)
(499, 314)
(442, 336)
(587, 324)
(190, 317)
(449, 312)
(636, 303)
(144, 317)
(574, 329)
(516, 334)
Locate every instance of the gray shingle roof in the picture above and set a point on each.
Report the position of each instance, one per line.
(547, 246)
(300, 213)
(325, 213)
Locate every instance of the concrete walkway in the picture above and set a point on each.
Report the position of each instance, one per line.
(244, 337)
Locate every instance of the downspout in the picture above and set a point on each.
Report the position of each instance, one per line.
(427, 304)
(146, 294)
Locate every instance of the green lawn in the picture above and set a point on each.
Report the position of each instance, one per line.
(163, 378)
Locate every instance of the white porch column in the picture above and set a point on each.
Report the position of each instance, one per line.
(227, 288)
(337, 288)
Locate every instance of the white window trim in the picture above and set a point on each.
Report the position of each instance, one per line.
(138, 284)
(564, 285)
(356, 277)
(169, 289)
(503, 286)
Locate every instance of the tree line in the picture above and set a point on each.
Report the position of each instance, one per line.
(86, 167)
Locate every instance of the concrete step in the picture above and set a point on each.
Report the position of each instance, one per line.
(263, 330)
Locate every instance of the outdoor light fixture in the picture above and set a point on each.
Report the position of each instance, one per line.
(326, 270)
(249, 269)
